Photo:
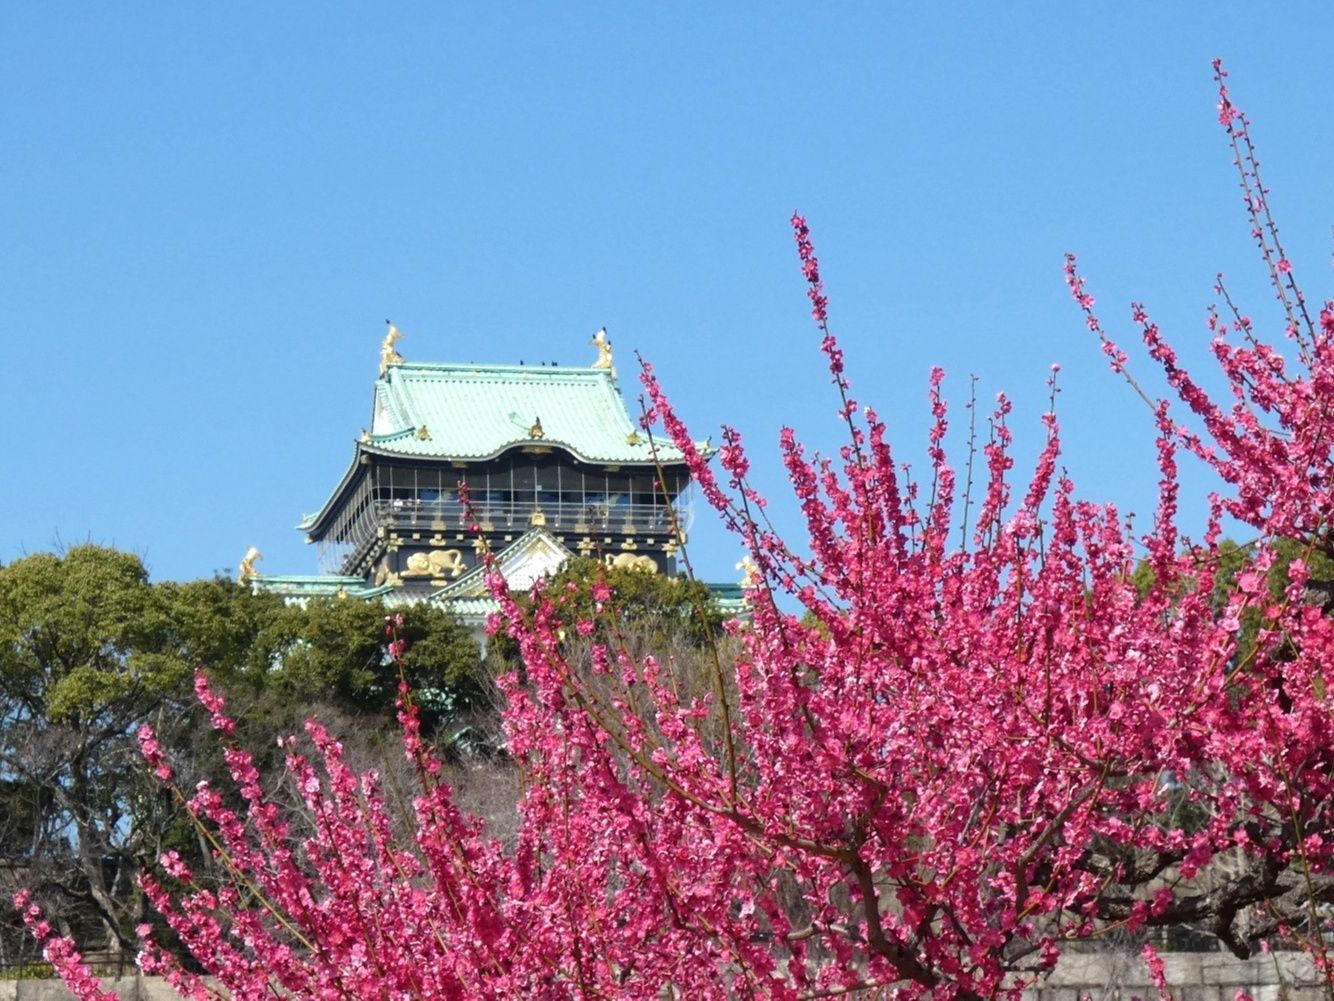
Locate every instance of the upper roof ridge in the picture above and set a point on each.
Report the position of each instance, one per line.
(542, 368)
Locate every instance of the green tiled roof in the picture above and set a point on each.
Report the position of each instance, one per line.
(470, 611)
(317, 585)
(464, 598)
(731, 600)
(453, 411)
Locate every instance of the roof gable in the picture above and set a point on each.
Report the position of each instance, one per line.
(529, 558)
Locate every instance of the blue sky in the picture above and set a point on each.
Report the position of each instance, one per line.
(206, 214)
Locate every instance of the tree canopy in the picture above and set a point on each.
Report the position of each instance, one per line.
(90, 650)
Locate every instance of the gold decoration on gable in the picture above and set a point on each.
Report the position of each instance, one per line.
(436, 563)
(629, 561)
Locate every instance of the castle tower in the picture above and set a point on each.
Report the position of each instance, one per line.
(535, 462)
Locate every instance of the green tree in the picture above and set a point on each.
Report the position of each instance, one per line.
(89, 649)
(336, 650)
(86, 652)
(1234, 558)
(236, 634)
(656, 611)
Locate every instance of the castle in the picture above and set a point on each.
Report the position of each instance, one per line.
(532, 463)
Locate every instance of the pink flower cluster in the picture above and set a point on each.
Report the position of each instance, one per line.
(60, 952)
(810, 269)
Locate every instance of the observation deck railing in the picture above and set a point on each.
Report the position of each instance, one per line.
(624, 518)
(566, 516)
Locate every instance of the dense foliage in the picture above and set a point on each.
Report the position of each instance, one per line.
(658, 611)
(90, 650)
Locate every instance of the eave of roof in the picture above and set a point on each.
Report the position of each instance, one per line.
(318, 585)
(377, 445)
(469, 611)
(310, 522)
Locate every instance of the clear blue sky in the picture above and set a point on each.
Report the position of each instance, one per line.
(206, 214)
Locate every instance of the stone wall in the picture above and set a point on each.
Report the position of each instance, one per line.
(1193, 976)
(127, 988)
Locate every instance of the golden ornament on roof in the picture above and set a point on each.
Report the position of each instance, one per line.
(248, 561)
(388, 356)
(603, 345)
